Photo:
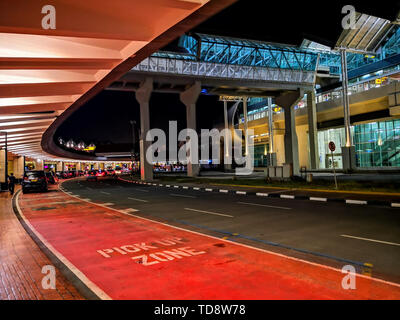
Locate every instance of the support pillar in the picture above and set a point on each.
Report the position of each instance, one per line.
(39, 164)
(59, 166)
(227, 146)
(312, 130)
(19, 163)
(3, 172)
(189, 99)
(288, 101)
(271, 154)
(143, 95)
(246, 126)
(348, 151)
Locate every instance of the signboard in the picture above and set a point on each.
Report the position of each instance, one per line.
(332, 146)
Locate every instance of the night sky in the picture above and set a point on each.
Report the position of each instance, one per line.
(105, 119)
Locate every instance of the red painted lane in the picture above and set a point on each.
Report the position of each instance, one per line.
(132, 258)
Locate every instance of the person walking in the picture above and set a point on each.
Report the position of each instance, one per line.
(11, 183)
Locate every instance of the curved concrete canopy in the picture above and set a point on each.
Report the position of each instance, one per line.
(46, 74)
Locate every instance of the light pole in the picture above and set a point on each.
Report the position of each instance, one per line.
(133, 123)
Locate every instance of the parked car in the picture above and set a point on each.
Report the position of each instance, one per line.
(51, 177)
(101, 173)
(110, 172)
(34, 180)
(92, 175)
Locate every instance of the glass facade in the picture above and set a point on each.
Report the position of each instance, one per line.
(260, 155)
(377, 144)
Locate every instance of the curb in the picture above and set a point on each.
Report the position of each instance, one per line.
(272, 195)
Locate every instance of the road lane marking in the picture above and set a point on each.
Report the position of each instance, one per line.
(130, 210)
(108, 204)
(182, 196)
(396, 205)
(356, 202)
(223, 191)
(135, 199)
(141, 190)
(318, 199)
(285, 196)
(209, 212)
(371, 240)
(264, 205)
(197, 189)
(105, 193)
(262, 195)
(241, 192)
(186, 188)
(209, 190)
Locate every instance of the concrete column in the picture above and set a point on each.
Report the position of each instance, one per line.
(312, 130)
(227, 147)
(143, 95)
(348, 151)
(19, 163)
(288, 101)
(39, 164)
(59, 166)
(2, 166)
(189, 98)
(272, 160)
(246, 125)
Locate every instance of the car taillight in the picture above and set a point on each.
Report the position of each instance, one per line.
(26, 179)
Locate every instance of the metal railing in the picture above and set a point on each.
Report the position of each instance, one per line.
(361, 86)
(224, 71)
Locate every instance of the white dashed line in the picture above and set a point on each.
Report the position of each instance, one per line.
(262, 194)
(135, 199)
(285, 196)
(371, 240)
(209, 212)
(318, 199)
(130, 210)
(356, 202)
(181, 195)
(264, 205)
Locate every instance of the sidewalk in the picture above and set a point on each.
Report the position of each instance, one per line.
(21, 262)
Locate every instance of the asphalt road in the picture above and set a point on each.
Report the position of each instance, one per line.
(364, 234)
